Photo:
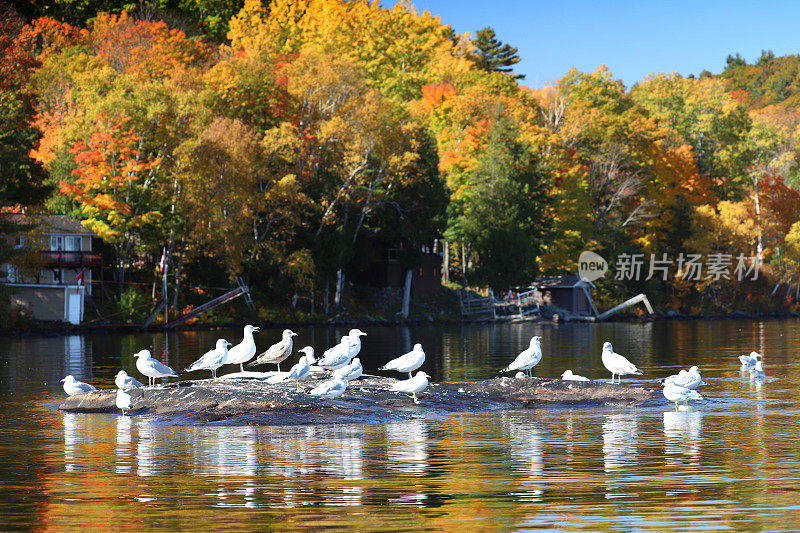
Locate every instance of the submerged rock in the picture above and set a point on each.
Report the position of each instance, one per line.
(368, 399)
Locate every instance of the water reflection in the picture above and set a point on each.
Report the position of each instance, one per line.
(620, 436)
(407, 447)
(525, 445)
(682, 437)
(73, 423)
(123, 450)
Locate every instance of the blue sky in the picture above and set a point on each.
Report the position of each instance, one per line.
(633, 39)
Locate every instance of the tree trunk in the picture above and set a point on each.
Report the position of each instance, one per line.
(407, 293)
(312, 299)
(337, 300)
(759, 246)
(178, 275)
(446, 262)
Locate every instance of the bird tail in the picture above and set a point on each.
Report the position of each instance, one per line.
(639, 373)
(251, 364)
(384, 368)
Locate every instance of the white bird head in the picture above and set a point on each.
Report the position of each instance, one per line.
(356, 361)
(417, 347)
(756, 355)
(122, 373)
(355, 333)
(222, 344)
(694, 369)
(566, 373)
(536, 339)
(288, 333)
(68, 379)
(308, 350)
(421, 373)
(250, 329)
(607, 346)
(142, 353)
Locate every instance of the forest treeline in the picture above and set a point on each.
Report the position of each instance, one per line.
(272, 140)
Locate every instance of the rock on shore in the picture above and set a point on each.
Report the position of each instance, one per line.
(252, 401)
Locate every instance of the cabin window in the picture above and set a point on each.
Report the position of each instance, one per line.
(56, 242)
(72, 244)
(56, 275)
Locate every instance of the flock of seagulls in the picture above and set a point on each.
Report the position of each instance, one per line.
(343, 366)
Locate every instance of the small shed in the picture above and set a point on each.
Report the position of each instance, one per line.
(568, 292)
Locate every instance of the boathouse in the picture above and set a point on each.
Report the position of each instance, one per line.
(567, 292)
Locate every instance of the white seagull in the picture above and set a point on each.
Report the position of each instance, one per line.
(152, 368)
(413, 385)
(749, 361)
(677, 394)
(244, 351)
(337, 356)
(124, 381)
(616, 364)
(299, 371)
(569, 376)
(278, 352)
(73, 386)
(330, 389)
(529, 357)
(312, 361)
(407, 362)
(350, 372)
(689, 379)
(355, 341)
(124, 401)
(212, 359)
(757, 372)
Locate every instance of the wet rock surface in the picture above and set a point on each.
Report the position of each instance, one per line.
(368, 399)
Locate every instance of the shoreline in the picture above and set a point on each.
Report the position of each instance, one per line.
(59, 329)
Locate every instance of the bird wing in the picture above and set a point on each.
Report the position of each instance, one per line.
(272, 354)
(160, 367)
(85, 387)
(131, 382)
(401, 362)
(203, 362)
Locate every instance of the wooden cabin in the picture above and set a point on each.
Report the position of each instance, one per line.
(567, 292)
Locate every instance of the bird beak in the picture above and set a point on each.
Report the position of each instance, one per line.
(294, 334)
(63, 380)
(256, 328)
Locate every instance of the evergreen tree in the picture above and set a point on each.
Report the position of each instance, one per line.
(492, 55)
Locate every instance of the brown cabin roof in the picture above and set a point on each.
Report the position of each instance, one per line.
(61, 224)
(557, 282)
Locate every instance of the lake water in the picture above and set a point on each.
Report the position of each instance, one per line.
(731, 462)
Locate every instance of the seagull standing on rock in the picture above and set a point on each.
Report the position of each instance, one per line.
(278, 352)
(212, 359)
(569, 376)
(617, 364)
(72, 386)
(124, 401)
(407, 362)
(677, 394)
(529, 357)
(312, 361)
(350, 372)
(688, 379)
(337, 356)
(329, 389)
(152, 368)
(124, 381)
(412, 385)
(299, 371)
(245, 350)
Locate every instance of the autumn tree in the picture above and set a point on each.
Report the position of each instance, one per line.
(491, 54)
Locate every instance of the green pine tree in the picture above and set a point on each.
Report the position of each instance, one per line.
(492, 55)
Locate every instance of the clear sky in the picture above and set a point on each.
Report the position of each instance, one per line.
(632, 38)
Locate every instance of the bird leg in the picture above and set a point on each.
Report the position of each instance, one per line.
(409, 375)
(241, 367)
(279, 367)
(415, 398)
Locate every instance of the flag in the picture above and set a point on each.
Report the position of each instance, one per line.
(163, 264)
(79, 282)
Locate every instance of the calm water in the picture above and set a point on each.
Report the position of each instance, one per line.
(730, 463)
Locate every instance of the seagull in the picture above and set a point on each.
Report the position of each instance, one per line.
(355, 341)
(616, 364)
(73, 386)
(529, 357)
(689, 379)
(349, 372)
(337, 356)
(677, 394)
(312, 361)
(299, 371)
(749, 361)
(245, 350)
(413, 385)
(330, 389)
(124, 401)
(124, 381)
(757, 372)
(212, 359)
(407, 362)
(569, 376)
(278, 352)
(520, 375)
(152, 368)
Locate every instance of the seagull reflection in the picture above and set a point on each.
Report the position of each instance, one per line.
(123, 445)
(525, 446)
(682, 437)
(146, 450)
(620, 431)
(407, 447)
(73, 423)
